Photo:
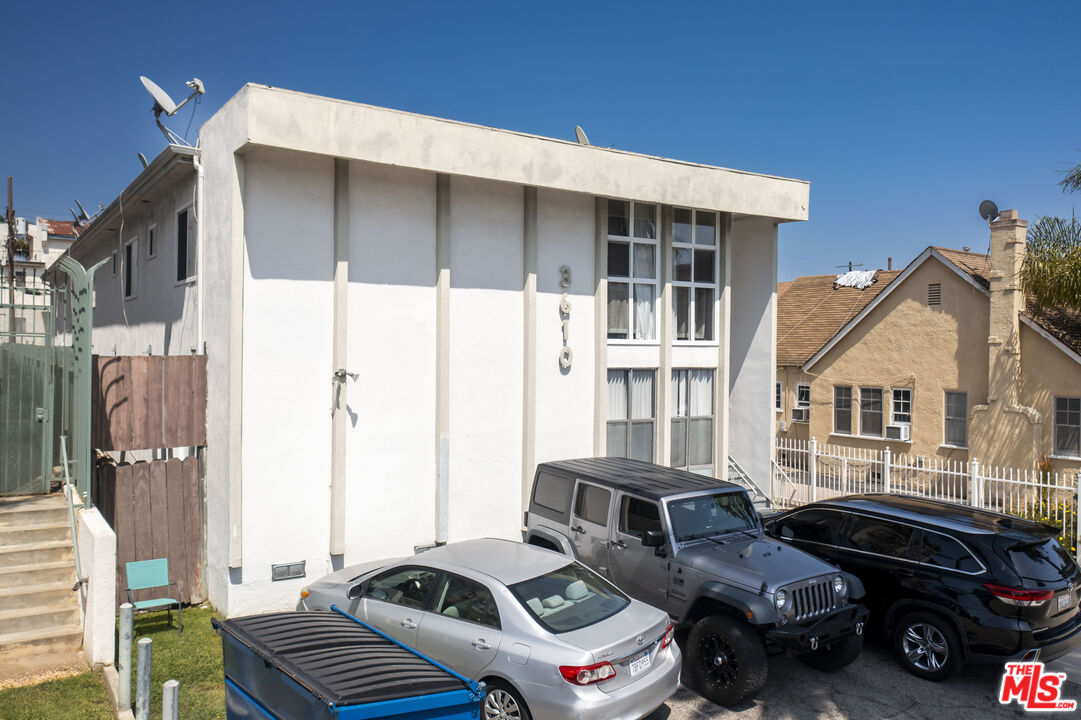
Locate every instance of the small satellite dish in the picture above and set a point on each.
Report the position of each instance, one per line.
(142, 159)
(164, 104)
(988, 210)
(580, 134)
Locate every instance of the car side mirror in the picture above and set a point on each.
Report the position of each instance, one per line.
(653, 538)
(356, 591)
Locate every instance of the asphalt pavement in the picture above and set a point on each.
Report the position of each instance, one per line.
(874, 686)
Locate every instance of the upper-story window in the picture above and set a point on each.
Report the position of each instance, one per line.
(956, 425)
(1068, 426)
(131, 266)
(632, 270)
(902, 406)
(185, 245)
(695, 238)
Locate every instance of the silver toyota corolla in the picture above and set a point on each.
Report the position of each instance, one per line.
(551, 639)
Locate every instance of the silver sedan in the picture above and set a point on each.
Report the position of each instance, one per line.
(551, 639)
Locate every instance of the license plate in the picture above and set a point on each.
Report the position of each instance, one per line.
(1064, 601)
(639, 664)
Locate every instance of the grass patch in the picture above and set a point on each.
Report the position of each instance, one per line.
(78, 697)
(192, 658)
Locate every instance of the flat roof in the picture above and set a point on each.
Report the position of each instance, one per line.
(641, 478)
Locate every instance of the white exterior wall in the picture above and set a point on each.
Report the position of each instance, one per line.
(390, 461)
(97, 596)
(162, 316)
(753, 345)
(288, 318)
(564, 399)
(486, 317)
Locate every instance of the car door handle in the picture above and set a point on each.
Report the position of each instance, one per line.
(619, 544)
(579, 529)
(408, 624)
(479, 644)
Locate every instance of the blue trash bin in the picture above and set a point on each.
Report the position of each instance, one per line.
(322, 665)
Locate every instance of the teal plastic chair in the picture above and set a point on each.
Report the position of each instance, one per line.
(147, 574)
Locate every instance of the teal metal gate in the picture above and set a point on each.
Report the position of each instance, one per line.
(45, 380)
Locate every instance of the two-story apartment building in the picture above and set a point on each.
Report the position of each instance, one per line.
(403, 315)
(941, 359)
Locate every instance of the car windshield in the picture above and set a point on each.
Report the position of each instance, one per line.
(569, 598)
(1045, 560)
(708, 515)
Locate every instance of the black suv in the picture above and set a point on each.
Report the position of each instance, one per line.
(950, 583)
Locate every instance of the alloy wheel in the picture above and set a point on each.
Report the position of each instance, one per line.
(501, 705)
(925, 647)
(717, 660)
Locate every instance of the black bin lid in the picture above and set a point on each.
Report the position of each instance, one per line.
(338, 659)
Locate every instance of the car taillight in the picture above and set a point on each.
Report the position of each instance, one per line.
(587, 674)
(1019, 596)
(669, 635)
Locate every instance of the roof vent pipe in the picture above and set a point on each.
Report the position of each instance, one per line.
(889, 263)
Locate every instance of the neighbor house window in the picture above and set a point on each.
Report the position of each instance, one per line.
(902, 407)
(692, 420)
(151, 236)
(130, 268)
(20, 278)
(803, 397)
(632, 270)
(777, 399)
(871, 411)
(185, 245)
(1068, 426)
(631, 412)
(694, 273)
(957, 419)
(842, 409)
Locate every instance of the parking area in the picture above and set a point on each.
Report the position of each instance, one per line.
(874, 686)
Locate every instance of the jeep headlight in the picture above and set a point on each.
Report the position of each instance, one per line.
(839, 586)
(780, 598)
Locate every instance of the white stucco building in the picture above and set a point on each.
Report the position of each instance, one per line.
(427, 259)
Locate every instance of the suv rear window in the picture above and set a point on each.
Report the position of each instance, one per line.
(569, 598)
(1043, 560)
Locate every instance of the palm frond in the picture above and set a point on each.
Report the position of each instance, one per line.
(1051, 273)
(1071, 181)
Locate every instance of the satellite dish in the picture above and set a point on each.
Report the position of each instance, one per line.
(142, 159)
(161, 98)
(580, 134)
(988, 210)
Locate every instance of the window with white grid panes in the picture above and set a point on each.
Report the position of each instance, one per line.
(695, 238)
(631, 413)
(692, 420)
(632, 270)
(1068, 426)
(902, 406)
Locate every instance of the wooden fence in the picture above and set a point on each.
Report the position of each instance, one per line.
(143, 402)
(156, 510)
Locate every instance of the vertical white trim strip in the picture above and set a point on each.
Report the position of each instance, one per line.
(600, 324)
(442, 360)
(237, 262)
(340, 353)
(663, 435)
(724, 350)
(529, 342)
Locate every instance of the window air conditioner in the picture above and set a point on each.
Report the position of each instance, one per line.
(899, 432)
(801, 414)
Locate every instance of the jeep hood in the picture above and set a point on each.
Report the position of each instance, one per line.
(749, 563)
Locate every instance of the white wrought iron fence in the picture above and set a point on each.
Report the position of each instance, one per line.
(805, 471)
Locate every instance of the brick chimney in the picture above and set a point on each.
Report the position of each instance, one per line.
(1007, 301)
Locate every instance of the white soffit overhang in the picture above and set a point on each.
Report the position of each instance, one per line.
(920, 260)
(308, 123)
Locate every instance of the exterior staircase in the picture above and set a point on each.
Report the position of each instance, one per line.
(39, 613)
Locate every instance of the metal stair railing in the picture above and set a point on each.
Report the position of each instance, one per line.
(735, 470)
(69, 492)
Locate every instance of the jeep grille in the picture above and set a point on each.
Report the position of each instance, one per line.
(811, 599)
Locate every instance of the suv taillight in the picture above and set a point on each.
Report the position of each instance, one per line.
(587, 674)
(669, 635)
(1019, 597)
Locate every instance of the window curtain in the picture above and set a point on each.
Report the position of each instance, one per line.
(641, 394)
(701, 393)
(617, 395)
(679, 393)
(644, 317)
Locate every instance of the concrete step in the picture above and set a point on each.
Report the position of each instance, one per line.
(40, 618)
(38, 552)
(58, 639)
(37, 574)
(35, 533)
(32, 510)
(35, 595)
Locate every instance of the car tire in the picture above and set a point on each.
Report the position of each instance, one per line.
(838, 655)
(727, 660)
(502, 702)
(927, 645)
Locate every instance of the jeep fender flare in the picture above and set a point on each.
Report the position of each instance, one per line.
(743, 601)
(561, 541)
(855, 586)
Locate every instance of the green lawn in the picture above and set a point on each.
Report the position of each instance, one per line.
(79, 697)
(192, 658)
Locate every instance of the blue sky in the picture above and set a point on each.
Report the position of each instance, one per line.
(903, 116)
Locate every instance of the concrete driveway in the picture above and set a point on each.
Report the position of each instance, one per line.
(874, 686)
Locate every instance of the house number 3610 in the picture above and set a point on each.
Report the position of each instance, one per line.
(566, 357)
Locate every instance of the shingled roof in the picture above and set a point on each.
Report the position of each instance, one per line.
(810, 311)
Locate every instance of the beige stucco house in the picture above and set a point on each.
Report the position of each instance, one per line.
(942, 359)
